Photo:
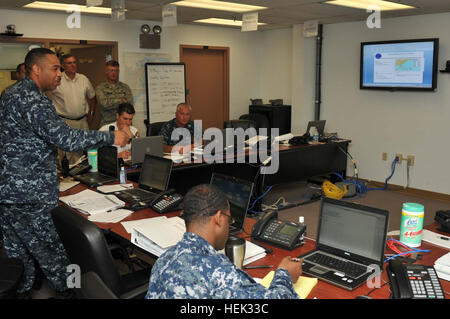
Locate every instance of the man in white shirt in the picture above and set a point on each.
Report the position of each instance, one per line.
(124, 117)
(74, 99)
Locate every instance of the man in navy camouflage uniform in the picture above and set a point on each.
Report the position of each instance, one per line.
(182, 120)
(30, 133)
(194, 269)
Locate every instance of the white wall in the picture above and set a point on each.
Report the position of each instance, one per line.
(281, 64)
(244, 46)
(411, 123)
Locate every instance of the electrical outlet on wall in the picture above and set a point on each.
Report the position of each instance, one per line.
(410, 160)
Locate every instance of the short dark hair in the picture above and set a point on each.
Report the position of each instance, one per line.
(18, 66)
(35, 55)
(65, 57)
(125, 107)
(112, 63)
(203, 201)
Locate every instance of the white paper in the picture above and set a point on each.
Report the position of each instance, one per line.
(169, 15)
(65, 185)
(249, 21)
(114, 188)
(91, 202)
(110, 217)
(310, 28)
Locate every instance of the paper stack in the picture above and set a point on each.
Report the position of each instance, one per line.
(90, 202)
(110, 217)
(302, 287)
(253, 252)
(442, 267)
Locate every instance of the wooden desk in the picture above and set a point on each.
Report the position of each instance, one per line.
(322, 290)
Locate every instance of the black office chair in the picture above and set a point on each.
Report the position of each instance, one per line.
(11, 271)
(260, 120)
(153, 129)
(245, 124)
(86, 246)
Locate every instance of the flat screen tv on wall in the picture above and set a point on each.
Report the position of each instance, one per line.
(399, 65)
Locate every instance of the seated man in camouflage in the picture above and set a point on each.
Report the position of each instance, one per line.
(182, 120)
(194, 268)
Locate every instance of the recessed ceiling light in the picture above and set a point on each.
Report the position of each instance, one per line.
(218, 5)
(228, 22)
(64, 7)
(364, 4)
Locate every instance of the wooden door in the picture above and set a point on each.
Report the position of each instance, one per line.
(207, 82)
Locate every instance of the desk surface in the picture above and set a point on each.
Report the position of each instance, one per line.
(322, 290)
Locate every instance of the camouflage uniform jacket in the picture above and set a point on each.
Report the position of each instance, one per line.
(168, 127)
(109, 97)
(194, 269)
(30, 133)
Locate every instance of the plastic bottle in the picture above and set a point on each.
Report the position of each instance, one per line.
(315, 135)
(123, 175)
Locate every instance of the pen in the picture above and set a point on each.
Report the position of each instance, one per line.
(258, 267)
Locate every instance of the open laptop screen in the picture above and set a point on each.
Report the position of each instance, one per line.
(238, 193)
(155, 173)
(353, 229)
(108, 163)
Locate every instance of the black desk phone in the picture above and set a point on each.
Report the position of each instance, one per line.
(166, 201)
(413, 281)
(283, 234)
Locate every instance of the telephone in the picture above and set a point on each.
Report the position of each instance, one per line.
(166, 201)
(283, 234)
(413, 281)
(80, 168)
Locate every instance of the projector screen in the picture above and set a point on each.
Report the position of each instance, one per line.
(399, 65)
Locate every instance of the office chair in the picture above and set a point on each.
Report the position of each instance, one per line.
(11, 271)
(260, 120)
(86, 246)
(153, 129)
(245, 124)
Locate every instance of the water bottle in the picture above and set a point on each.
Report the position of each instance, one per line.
(315, 135)
(123, 175)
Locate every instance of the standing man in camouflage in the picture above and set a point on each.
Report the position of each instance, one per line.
(111, 93)
(194, 268)
(31, 132)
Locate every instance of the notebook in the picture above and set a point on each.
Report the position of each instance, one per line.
(154, 179)
(152, 145)
(238, 193)
(350, 245)
(108, 168)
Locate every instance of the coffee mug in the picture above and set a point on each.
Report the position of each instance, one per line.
(235, 250)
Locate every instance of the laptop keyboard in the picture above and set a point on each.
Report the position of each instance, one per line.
(347, 267)
(143, 195)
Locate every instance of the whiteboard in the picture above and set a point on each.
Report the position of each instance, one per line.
(166, 88)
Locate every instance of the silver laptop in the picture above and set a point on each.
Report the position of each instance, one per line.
(350, 245)
(152, 145)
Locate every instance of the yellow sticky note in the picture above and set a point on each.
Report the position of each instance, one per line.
(302, 287)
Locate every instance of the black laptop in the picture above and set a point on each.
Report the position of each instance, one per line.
(108, 168)
(320, 125)
(238, 193)
(350, 245)
(154, 179)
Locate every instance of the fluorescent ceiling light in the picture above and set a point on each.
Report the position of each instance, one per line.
(65, 7)
(218, 5)
(364, 4)
(229, 22)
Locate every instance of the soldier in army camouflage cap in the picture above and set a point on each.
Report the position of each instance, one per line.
(194, 268)
(29, 185)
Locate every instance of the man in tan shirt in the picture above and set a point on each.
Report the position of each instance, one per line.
(74, 99)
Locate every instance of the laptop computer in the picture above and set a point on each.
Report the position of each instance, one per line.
(350, 245)
(238, 193)
(152, 145)
(108, 168)
(154, 179)
(320, 125)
